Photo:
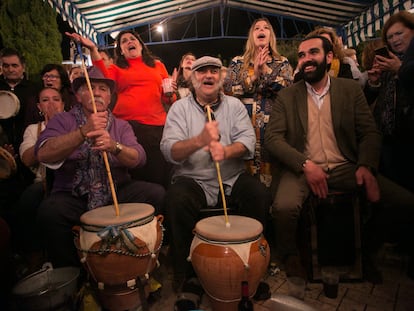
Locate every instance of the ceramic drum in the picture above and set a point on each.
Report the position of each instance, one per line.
(120, 251)
(224, 256)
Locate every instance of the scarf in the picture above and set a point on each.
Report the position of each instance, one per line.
(387, 113)
(90, 177)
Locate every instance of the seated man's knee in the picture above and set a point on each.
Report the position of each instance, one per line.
(285, 207)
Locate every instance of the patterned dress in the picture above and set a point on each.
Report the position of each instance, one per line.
(258, 97)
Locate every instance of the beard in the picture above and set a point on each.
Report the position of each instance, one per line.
(317, 75)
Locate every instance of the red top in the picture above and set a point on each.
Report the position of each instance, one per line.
(139, 90)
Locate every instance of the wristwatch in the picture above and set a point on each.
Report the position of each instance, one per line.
(118, 148)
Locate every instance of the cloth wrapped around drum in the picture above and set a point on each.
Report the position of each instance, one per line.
(118, 251)
(224, 256)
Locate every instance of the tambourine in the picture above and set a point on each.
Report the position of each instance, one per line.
(9, 104)
(8, 165)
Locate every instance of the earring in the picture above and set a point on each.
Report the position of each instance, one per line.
(41, 113)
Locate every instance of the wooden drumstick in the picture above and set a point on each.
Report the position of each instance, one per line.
(220, 181)
(105, 156)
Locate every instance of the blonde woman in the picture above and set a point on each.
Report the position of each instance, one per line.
(255, 78)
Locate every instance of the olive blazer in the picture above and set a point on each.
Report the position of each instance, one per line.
(354, 127)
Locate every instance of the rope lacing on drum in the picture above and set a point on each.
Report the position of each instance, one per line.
(119, 234)
(255, 238)
(135, 223)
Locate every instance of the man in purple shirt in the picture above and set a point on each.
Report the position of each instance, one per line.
(72, 145)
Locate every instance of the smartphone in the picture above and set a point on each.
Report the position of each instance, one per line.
(382, 52)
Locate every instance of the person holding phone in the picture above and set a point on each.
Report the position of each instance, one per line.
(382, 51)
(390, 91)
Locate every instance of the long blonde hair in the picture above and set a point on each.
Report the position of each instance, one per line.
(250, 48)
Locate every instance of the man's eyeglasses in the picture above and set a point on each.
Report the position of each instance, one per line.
(50, 77)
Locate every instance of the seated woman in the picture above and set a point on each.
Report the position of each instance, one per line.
(49, 103)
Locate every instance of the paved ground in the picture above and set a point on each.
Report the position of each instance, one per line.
(395, 294)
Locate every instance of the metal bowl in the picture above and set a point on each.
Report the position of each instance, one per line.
(46, 289)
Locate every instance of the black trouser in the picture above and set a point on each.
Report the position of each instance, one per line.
(183, 204)
(157, 169)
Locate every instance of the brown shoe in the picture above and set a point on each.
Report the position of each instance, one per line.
(294, 267)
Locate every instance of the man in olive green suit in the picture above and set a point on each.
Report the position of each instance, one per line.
(323, 135)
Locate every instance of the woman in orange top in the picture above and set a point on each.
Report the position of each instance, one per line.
(138, 75)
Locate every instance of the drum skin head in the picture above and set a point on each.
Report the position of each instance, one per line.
(106, 216)
(9, 105)
(241, 228)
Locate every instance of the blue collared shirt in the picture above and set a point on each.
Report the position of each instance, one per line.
(186, 119)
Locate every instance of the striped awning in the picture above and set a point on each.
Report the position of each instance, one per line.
(99, 18)
(371, 20)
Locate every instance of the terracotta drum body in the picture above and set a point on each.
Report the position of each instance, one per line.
(224, 256)
(119, 252)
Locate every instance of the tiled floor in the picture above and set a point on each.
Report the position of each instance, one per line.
(395, 294)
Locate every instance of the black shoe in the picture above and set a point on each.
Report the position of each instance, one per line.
(262, 292)
(190, 296)
(370, 272)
